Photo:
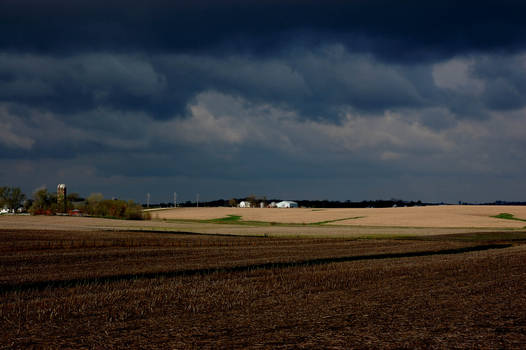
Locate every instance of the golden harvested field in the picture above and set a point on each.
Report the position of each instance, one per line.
(102, 289)
(187, 222)
(445, 216)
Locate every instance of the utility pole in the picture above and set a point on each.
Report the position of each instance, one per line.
(175, 199)
(148, 200)
(197, 200)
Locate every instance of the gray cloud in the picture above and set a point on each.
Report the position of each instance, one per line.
(301, 123)
(318, 83)
(503, 78)
(78, 82)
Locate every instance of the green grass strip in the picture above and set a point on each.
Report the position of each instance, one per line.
(507, 216)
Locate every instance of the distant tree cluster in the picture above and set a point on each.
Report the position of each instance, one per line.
(232, 202)
(45, 203)
(11, 197)
(96, 205)
(504, 203)
(363, 204)
(215, 203)
(254, 201)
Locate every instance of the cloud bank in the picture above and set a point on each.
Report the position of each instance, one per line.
(340, 100)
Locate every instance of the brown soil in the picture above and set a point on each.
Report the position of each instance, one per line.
(88, 289)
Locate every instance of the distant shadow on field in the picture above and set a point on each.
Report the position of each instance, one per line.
(243, 268)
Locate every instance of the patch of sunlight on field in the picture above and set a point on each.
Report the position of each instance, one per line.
(450, 216)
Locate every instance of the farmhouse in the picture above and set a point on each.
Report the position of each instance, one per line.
(287, 204)
(244, 204)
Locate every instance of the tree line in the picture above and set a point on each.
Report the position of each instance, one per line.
(254, 201)
(46, 203)
(96, 205)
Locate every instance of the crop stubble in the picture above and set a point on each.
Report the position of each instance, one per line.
(442, 216)
(472, 299)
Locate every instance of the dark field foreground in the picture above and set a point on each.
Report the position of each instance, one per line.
(148, 290)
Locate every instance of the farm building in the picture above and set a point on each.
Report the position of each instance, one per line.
(244, 204)
(287, 204)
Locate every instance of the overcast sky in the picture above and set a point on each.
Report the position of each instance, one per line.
(289, 99)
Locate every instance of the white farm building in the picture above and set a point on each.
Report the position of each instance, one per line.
(287, 204)
(244, 204)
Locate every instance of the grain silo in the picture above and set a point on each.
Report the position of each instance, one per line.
(61, 198)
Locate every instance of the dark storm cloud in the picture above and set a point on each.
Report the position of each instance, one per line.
(305, 99)
(318, 83)
(78, 82)
(506, 81)
(407, 30)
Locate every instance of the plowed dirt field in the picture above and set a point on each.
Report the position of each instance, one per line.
(102, 289)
